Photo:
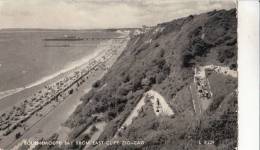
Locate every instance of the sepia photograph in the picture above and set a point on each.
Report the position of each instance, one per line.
(118, 75)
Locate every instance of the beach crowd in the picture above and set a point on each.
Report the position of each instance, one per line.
(54, 93)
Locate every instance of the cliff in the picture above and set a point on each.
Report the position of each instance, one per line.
(169, 59)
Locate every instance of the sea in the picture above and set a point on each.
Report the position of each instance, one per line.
(27, 58)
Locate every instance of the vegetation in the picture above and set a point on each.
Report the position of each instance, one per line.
(166, 65)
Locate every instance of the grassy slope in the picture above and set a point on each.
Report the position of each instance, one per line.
(165, 65)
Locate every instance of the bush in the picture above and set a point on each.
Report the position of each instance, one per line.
(111, 115)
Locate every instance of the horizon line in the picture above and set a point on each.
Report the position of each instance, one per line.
(36, 28)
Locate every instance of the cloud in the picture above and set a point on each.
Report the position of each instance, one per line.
(99, 13)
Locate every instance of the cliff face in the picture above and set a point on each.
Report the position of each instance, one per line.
(168, 58)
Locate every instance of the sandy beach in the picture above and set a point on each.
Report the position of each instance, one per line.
(74, 78)
(73, 65)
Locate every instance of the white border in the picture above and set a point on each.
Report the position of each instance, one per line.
(248, 69)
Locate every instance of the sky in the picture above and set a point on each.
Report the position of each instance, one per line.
(89, 14)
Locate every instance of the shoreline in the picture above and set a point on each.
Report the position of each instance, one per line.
(72, 80)
(68, 68)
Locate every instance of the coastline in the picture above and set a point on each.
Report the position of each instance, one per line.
(81, 65)
(68, 68)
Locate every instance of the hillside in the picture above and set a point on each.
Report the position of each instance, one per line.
(169, 59)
